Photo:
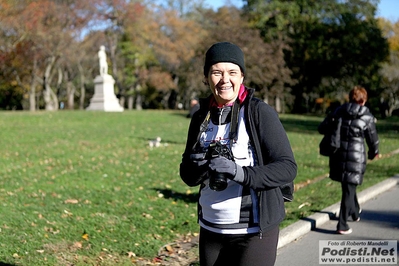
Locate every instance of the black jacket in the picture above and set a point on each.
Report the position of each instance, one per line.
(276, 167)
(348, 164)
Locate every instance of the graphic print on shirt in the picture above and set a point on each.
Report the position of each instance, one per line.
(224, 208)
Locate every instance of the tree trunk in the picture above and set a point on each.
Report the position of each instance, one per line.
(32, 96)
(70, 95)
(32, 89)
(266, 98)
(277, 104)
(82, 96)
(32, 86)
(122, 100)
(50, 99)
(82, 88)
(139, 101)
(130, 99)
(70, 90)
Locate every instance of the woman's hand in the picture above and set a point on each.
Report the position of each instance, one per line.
(228, 167)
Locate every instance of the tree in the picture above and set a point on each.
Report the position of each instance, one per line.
(390, 70)
(51, 27)
(334, 44)
(19, 67)
(175, 44)
(266, 68)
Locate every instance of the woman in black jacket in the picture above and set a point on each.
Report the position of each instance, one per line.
(348, 163)
(239, 154)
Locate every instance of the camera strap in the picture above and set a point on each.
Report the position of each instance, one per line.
(233, 123)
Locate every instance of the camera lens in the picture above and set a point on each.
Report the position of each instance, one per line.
(217, 181)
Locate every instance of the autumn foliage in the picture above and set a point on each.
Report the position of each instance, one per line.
(155, 50)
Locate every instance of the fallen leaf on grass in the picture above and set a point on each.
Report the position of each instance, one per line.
(131, 254)
(156, 260)
(71, 201)
(156, 236)
(85, 236)
(303, 205)
(146, 215)
(66, 214)
(169, 248)
(51, 230)
(77, 245)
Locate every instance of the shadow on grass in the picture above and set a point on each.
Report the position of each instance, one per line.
(6, 264)
(170, 194)
(300, 125)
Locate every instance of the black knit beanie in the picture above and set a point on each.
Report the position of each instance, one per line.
(224, 52)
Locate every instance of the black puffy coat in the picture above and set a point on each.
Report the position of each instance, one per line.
(348, 164)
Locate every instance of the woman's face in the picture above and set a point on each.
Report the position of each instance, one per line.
(224, 81)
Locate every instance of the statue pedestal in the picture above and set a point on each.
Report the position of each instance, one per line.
(104, 98)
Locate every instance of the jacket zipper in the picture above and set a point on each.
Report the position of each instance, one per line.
(220, 116)
(253, 130)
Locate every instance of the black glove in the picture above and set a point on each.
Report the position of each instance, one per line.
(199, 163)
(371, 155)
(198, 158)
(226, 166)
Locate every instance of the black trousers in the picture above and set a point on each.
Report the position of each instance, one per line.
(238, 250)
(349, 206)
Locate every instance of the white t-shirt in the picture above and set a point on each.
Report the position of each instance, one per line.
(224, 207)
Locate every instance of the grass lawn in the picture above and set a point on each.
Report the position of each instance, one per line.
(84, 188)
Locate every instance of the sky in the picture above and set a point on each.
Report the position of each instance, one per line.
(388, 9)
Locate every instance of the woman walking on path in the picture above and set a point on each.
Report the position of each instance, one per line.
(348, 163)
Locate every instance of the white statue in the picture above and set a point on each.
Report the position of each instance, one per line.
(102, 56)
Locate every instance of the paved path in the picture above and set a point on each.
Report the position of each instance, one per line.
(299, 244)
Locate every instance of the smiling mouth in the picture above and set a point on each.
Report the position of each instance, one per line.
(224, 88)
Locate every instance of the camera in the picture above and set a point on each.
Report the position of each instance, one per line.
(218, 181)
